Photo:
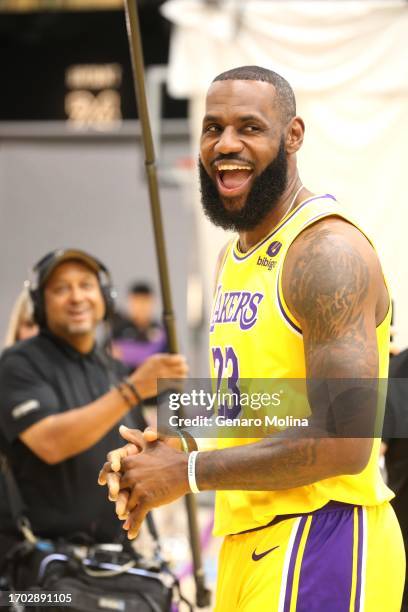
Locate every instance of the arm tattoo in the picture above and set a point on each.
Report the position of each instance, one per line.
(271, 464)
(328, 288)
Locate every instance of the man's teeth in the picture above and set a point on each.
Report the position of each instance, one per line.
(223, 167)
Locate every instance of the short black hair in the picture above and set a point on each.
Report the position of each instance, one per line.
(285, 97)
(140, 288)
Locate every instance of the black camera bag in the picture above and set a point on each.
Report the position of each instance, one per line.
(95, 577)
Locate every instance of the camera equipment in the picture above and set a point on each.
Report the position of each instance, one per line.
(203, 595)
(87, 576)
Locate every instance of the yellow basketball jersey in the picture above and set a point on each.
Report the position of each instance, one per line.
(254, 336)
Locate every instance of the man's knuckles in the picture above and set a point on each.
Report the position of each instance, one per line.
(130, 478)
(130, 464)
(114, 458)
(139, 497)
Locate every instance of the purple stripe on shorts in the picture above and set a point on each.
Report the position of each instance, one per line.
(361, 536)
(327, 565)
(292, 563)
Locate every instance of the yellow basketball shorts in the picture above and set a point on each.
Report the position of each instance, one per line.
(340, 558)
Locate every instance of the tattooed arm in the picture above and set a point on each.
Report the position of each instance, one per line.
(332, 283)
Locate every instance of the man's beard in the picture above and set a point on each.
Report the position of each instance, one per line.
(265, 192)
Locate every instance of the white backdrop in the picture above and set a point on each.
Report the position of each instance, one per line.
(347, 61)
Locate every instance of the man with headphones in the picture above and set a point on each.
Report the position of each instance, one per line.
(62, 398)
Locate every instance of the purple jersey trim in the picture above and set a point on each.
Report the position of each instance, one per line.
(295, 212)
(283, 312)
(313, 219)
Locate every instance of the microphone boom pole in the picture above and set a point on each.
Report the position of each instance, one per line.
(136, 54)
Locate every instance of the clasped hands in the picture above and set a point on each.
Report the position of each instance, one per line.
(145, 473)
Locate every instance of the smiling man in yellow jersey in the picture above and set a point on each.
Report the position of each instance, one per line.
(299, 294)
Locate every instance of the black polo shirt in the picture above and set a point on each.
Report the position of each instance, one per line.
(44, 376)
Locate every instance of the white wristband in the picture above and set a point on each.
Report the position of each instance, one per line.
(191, 468)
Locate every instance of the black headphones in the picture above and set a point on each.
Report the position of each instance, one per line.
(44, 267)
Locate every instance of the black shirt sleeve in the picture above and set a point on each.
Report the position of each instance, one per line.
(25, 397)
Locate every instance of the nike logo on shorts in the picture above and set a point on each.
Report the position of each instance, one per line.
(257, 557)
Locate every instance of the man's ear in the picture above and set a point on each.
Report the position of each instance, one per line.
(294, 135)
